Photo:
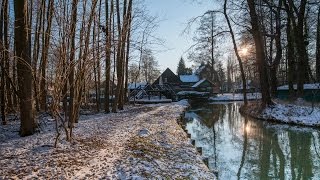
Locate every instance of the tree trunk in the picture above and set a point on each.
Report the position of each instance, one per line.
(23, 68)
(6, 56)
(277, 59)
(72, 63)
(2, 51)
(119, 61)
(128, 53)
(298, 30)
(318, 48)
(44, 58)
(260, 54)
(98, 59)
(95, 57)
(243, 76)
(36, 50)
(108, 55)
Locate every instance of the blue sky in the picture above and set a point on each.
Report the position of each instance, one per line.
(174, 15)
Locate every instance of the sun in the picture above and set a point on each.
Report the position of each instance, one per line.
(244, 51)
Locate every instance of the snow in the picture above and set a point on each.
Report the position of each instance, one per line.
(305, 86)
(235, 97)
(198, 83)
(288, 113)
(189, 78)
(153, 99)
(140, 142)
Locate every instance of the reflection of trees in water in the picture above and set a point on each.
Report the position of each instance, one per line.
(301, 162)
(266, 151)
(244, 148)
(271, 157)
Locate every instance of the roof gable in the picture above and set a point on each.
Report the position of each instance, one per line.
(169, 76)
(201, 82)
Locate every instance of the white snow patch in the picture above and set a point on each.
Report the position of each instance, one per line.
(192, 93)
(189, 78)
(198, 83)
(235, 97)
(305, 86)
(288, 113)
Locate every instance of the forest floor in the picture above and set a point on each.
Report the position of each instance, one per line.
(140, 142)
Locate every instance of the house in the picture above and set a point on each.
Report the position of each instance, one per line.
(188, 80)
(311, 92)
(205, 85)
(168, 78)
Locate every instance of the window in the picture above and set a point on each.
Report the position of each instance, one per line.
(165, 80)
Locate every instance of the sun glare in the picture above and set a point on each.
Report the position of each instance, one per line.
(244, 51)
(248, 129)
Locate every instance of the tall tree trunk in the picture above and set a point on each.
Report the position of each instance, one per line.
(260, 54)
(298, 29)
(44, 57)
(23, 67)
(3, 74)
(108, 55)
(123, 52)
(290, 51)
(95, 57)
(72, 63)
(236, 50)
(277, 59)
(128, 51)
(6, 56)
(119, 61)
(98, 59)
(318, 48)
(36, 50)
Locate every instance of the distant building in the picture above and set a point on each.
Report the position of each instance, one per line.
(205, 85)
(168, 78)
(189, 80)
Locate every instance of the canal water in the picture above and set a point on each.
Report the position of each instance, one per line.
(242, 148)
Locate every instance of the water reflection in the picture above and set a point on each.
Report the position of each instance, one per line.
(243, 148)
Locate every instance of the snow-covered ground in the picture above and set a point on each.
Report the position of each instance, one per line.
(235, 97)
(289, 113)
(140, 142)
(152, 99)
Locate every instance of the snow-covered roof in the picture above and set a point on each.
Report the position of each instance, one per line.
(136, 85)
(198, 83)
(305, 86)
(189, 78)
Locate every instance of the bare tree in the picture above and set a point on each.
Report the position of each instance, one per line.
(24, 68)
(236, 50)
(260, 53)
(44, 57)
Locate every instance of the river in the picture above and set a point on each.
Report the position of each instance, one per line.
(239, 147)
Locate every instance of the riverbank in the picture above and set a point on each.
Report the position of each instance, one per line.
(143, 141)
(284, 113)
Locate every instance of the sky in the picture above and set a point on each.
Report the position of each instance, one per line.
(174, 15)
